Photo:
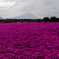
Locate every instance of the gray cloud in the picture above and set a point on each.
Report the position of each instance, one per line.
(40, 8)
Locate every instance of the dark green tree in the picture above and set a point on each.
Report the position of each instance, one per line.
(53, 19)
(46, 19)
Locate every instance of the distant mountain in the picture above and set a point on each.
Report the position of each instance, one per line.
(1, 18)
(27, 15)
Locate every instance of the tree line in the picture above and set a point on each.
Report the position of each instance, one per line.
(45, 19)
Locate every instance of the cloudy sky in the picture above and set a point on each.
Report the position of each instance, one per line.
(40, 8)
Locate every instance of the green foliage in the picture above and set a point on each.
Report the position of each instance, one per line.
(45, 19)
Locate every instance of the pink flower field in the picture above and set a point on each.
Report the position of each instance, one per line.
(29, 40)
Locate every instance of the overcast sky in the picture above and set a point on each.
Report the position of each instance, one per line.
(40, 8)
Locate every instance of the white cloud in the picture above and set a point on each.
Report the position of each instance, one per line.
(6, 4)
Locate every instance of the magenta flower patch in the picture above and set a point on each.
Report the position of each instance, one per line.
(29, 41)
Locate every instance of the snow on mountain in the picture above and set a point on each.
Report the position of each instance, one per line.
(27, 15)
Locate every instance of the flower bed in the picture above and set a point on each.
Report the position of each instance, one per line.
(29, 41)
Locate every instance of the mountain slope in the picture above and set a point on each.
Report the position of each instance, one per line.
(1, 18)
(26, 16)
